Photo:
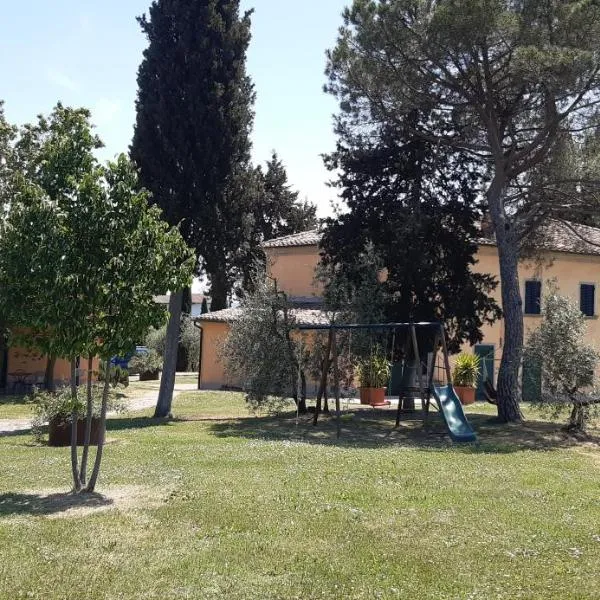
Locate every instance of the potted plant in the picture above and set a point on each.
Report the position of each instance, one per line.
(373, 375)
(56, 409)
(465, 376)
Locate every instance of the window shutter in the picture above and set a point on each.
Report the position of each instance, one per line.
(533, 294)
(587, 299)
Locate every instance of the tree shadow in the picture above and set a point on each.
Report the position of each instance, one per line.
(369, 428)
(122, 424)
(12, 503)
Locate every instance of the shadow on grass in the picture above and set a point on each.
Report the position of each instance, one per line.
(13, 399)
(39, 504)
(368, 428)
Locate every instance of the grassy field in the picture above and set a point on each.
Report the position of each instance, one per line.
(222, 504)
(17, 407)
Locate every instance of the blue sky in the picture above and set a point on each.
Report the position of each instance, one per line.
(86, 53)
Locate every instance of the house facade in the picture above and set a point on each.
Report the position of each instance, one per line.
(569, 260)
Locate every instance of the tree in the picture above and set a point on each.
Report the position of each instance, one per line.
(568, 364)
(94, 259)
(194, 117)
(502, 81)
(414, 206)
(260, 350)
(280, 211)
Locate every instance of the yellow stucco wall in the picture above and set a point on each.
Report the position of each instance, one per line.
(569, 271)
(212, 374)
(294, 269)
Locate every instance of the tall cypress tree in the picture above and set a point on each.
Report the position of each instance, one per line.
(194, 118)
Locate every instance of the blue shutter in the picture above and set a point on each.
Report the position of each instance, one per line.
(587, 299)
(533, 294)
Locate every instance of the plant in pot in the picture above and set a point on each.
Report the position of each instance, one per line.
(373, 375)
(148, 364)
(56, 409)
(465, 376)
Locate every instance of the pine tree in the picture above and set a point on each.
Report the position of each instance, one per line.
(282, 213)
(194, 117)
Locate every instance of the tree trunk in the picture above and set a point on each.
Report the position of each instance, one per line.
(186, 309)
(96, 471)
(74, 418)
(512, 352)
(89, 413)
(49, 374)
(167, 382)
(302, 406)
(577, 420)
(219, 290)
(323, 383)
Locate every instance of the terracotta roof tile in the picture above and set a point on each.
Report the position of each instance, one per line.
(306, 238)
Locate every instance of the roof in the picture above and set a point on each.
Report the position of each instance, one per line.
(302, 316)
(164, 299)
(556, 236)
(306, 238)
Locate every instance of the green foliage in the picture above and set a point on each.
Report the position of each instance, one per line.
(466, 370)
(190, 338)
(146, 362)
(194, 155)
(60, 405)
(156, 339)
(259, 351)
(117, 374)
(568, 363)
(374, 371)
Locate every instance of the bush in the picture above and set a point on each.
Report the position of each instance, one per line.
(156, 339)
(189, 337)
(118, 375)
(466, 370)
(568, 364)
(147, 363)
(48, 406)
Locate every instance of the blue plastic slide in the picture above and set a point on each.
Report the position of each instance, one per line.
(454, 415)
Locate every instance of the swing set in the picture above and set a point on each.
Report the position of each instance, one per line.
(418, 361)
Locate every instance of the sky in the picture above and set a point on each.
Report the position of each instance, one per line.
(87, 52)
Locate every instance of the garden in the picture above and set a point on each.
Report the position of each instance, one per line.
(222, 502)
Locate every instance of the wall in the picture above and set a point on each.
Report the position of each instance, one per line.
(213, 374)
(294, 269)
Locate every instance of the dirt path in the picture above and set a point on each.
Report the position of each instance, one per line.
(137, 404)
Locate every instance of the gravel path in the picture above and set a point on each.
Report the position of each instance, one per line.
(149, 401)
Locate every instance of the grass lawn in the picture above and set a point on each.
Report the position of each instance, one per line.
(17, 407)
(221, 504)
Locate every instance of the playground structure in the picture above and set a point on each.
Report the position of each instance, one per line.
(405, 336)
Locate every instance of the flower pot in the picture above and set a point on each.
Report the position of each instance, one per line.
(466, 394)
(59, 432)
(150, 375)
(372, 396)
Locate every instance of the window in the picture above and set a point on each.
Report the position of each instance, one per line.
(533, 294)
(587, 299)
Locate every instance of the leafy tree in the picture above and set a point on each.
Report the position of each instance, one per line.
(568, 363)
(413, 206)
(7, 135)
(501, 81)
(194, 117)
(81, 262)
(260, 351)
(280, 211)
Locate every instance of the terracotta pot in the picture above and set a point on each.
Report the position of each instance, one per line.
(59, 432)
(466, 394)
(372, 395)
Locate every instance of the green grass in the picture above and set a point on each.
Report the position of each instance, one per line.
(14, 407)
(266, 507)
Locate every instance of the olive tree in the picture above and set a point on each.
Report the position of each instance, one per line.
(568, 363)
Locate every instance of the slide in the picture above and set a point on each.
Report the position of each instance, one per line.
(449, 403)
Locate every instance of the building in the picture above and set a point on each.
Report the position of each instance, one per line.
(567, 258)
(197, 300)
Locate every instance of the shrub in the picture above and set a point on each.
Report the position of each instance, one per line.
(146, 363)
(189, 337)
(466, 370)
(374, 371)
(48, 406)
(117, 375)
(567, 362)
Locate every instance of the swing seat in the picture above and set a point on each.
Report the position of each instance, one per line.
(490, 392)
